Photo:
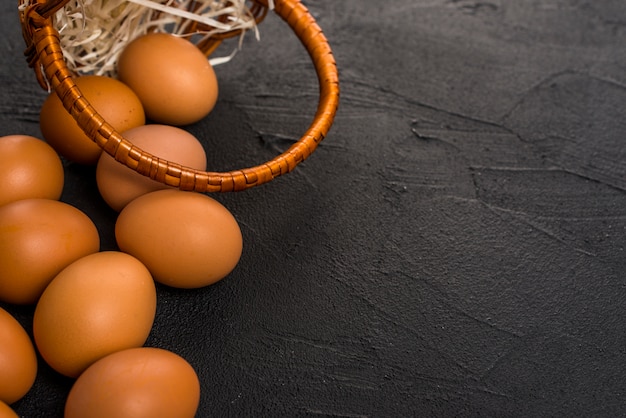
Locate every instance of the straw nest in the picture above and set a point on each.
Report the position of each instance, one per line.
(94, 32)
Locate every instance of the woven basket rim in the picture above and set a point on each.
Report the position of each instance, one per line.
(45, 56)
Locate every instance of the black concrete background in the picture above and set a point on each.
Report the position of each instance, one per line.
(454, 248)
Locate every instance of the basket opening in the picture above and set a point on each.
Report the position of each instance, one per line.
(94, 32)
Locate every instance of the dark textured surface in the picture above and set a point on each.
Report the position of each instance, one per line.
(455, 246)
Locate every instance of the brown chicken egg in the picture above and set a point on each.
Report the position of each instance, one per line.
(6, 411)
(119, 184)
(18, 361)
(113, 100)
(29, 168)
(100, 304)
(172, 77)
(38, 239)
(141, 382)
(186, 239)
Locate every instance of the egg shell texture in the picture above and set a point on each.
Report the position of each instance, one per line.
(172, 77)
(142, 382)
(186, 239)
(119, 184)
(29, 168)
(100, 304)
(18, 361)
(38, 239)
(6, 411)
(112, 99)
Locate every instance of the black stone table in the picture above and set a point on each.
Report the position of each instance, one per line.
(455, 247)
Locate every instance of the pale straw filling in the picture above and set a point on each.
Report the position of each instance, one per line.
(94, 32)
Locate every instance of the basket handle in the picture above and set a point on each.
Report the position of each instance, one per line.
(44, 54)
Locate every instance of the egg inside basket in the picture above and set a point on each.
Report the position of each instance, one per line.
(59, 52)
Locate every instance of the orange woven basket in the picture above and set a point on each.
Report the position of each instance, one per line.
(44, 54)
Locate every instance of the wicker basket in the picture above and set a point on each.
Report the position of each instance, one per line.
(45, 56)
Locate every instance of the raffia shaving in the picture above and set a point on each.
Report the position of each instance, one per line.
(94, 32)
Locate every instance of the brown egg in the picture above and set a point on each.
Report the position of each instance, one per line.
(113, 100)
(29, 168)
(119, 184)
(38, 239)
(18, 361)
(136, 383)
(103, 303)
(172, 77)
(186, 239)
(6, 411)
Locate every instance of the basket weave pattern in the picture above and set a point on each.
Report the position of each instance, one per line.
(45, 56)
